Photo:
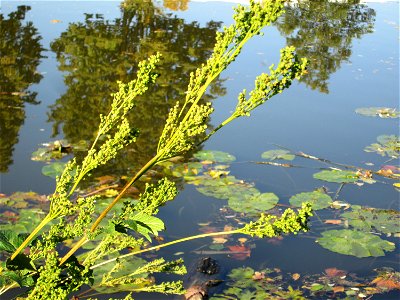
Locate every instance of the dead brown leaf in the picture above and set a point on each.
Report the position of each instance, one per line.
(333, 272)
(338, 289)
(296, 276)
(258, 275)
(219, 240)
(334, 222)
(386, 283)
(239, 252)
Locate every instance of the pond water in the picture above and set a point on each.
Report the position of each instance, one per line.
(60, 61)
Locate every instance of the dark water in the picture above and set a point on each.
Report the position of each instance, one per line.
(61, 60)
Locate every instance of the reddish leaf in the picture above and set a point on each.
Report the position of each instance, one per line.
(386, 283)
(276, 241)
(208, 229)
(333, 272)
(338, 289)
(296, 276)
(239, 252)
(258, 275)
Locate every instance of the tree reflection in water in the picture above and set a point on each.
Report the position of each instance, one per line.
(323, 32)
(20, 54)
(97, 52)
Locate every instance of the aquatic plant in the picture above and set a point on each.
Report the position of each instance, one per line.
(71, 216)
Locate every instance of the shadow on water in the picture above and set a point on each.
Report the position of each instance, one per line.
(323, 31)
(20, 54)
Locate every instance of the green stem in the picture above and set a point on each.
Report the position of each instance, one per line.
(103, 214)
(193, 237)
(44, 222)
(228, 120)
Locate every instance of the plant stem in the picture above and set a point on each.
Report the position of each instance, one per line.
(193, 237)
(228, 120)
(103, 214)
(44, 222)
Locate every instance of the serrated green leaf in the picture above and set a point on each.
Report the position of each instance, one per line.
(10, 240)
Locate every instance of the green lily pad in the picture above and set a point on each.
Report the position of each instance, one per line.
(367, 219)
(382, 112)
(226, 191)
(255, 203)
(27, 220)
(53, 170)
(388, 145)
(338, 176)
(355, 243)
(318, 199)
(277, 154)
(216, 156)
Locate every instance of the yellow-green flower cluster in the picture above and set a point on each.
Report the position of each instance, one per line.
(153, 197)
(272, 226)
(180, 137)
(187, 122)
(268, 85)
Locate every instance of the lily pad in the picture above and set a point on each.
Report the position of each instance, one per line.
(355, 243)
(277, 154)
(53, 170)
(318, 199)
(338, 176)
(388, 145)
(367, 219)
(187, 169)
(215, 156)
(382, 112)
(27, 220)
(255, 203)
(226, 191)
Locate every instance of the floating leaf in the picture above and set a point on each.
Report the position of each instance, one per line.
(366, 219)
(355, 243)
(215, 156)
(277, 154)
(318, 199)
(334, 222)
(27, 220)
(383, 112)
(388, 145)
(387, 280)
(338, 176)
(187, 169)
(225, 188)
(239, 252)
(53, 170)
(255, 203)
(333, 272)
